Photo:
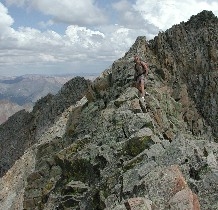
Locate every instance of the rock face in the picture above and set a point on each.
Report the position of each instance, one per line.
(24, 129)
(189, 55)
(110, 150)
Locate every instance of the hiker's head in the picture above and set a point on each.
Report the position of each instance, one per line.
(136, 58)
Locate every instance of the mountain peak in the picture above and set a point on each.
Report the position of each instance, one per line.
(203, 16)
(202, 19)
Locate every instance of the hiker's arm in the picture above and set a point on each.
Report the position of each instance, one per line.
(145, 66)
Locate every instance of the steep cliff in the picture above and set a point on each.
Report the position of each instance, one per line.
(110, 150)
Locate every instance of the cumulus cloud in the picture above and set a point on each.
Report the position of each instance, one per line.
(77, 44)
(84, 37)
(164, 14)
(5, 20)
(82, 12)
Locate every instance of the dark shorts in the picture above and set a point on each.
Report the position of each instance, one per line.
(140, 79)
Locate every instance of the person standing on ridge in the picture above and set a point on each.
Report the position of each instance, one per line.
(141, 71)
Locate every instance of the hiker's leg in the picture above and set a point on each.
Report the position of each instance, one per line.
(138, 86)
(142, 84)
(145, 92)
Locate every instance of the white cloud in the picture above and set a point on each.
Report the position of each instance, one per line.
(82, 12)
(5, 20)
(165, 13)
(84, 37)
(78, 44)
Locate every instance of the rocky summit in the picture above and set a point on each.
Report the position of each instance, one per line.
(98, 146)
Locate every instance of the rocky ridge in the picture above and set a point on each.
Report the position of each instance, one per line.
(23, 129)
(110, 150)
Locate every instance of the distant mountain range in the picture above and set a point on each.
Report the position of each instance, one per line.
(17, 93)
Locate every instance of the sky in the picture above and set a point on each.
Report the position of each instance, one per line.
(56, 37)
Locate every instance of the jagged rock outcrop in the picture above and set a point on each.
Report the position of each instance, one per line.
(24, 129)
(189, 63)
(117, 152)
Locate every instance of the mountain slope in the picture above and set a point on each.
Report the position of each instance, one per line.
(8, 108)
(23, 129)
(110, 150)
